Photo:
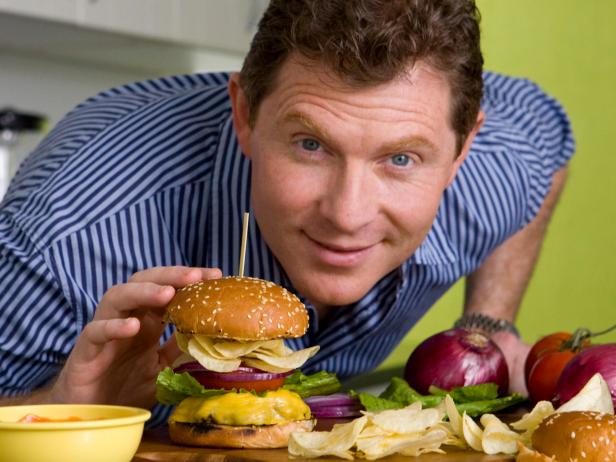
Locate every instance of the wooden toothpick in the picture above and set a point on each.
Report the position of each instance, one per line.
(244, 239)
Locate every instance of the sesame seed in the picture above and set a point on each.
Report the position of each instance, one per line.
(583, 454)
(573, 435)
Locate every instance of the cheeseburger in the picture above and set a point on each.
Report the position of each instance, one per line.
(228, 380)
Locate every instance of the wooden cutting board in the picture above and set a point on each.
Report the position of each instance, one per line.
(156, 446)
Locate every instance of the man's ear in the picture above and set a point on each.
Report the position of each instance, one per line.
(467, 146)
(241, 113)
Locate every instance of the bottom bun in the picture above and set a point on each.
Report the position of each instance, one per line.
(577, 436)
(230, 436)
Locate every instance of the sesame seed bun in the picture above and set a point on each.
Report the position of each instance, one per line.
(238, 308)
(577, 435)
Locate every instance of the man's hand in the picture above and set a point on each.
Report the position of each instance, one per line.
(515, 351)
(117, 356)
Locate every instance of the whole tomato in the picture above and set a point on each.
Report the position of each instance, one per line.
(546, 360)
(552, 342)
(545, 373)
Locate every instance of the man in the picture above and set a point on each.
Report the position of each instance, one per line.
(354, 134)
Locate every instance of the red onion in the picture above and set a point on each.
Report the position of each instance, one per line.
(337, 405)
(241, 373)
(596, 358)
(455, 358)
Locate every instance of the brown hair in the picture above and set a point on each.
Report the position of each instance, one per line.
(367, 42)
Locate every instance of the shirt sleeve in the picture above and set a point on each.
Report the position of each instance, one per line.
(535, 130)
(38, 328)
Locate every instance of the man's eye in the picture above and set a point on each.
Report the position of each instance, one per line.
(400, 160)
(310, 145)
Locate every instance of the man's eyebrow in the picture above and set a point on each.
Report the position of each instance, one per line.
(312, 125)
(410, 143)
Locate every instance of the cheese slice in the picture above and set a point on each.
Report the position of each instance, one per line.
(274, 407)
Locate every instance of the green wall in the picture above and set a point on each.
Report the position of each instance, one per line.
(569, 48)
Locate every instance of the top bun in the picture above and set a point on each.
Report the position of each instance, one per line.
(238, 308)
(577, 435)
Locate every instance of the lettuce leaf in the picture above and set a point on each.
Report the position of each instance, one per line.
(472, 399)
(319, 383)
(172, 388)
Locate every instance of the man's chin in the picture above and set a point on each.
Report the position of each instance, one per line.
(331, 290)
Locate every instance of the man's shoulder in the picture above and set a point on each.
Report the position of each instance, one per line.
(520, 112)
(118, 148)
(161, 88)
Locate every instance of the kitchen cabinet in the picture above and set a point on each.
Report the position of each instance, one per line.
(157, 36)
(224, 25)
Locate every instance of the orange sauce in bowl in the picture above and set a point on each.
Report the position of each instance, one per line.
(33, 418)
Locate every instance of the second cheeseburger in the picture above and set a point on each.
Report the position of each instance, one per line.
(231, 332)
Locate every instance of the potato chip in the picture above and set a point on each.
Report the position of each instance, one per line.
(251, 362)
(336, 442)
(472, 433)
(277, 347)
(206, 345)
(234, 348)
(196, 350)
(407, 420)
(455, 419)
(430, 442)
(528, 455)
(532, 419)
(372, 431)
(497, 437)
(594, 396)
(408, 444)
(292, 361)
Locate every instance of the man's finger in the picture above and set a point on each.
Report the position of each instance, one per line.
(97, 334)
(124, 298)
(102, 332)
(176, 276)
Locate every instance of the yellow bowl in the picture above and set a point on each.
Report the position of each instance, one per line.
(107, 433)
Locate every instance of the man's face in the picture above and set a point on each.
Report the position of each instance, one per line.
(345, 182)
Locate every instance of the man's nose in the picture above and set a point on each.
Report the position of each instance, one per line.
(351, 200)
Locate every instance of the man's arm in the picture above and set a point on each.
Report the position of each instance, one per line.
(496, 288)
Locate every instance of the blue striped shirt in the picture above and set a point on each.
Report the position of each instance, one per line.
(151, 174)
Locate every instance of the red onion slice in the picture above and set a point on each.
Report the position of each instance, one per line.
(337, 405)
(242, 373)
(336, 412)
(336, 399)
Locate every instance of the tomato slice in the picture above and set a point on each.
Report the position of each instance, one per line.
(213, 381)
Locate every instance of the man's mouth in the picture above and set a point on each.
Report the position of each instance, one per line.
(341, 255)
